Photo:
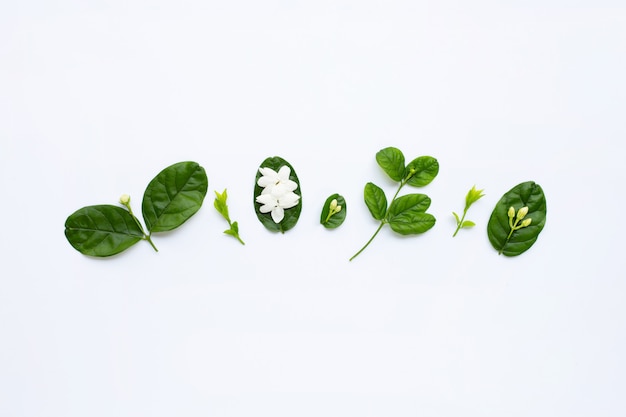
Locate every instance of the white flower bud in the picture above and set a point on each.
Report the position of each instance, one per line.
(521, 213)
(526, 222)
(333, 205)
(124, 199)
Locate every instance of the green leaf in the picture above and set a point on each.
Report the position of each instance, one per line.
(410, 202)
(456, 216)
(527, 194)
(291, 214)
(391, 160)
(425, 170)
(336, 219)
(468, 223)
(411, 222)
(102, 230)
(220, 204)
(407, 214)
(375, 200)
(173, 196)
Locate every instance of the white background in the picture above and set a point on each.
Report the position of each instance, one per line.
(96, 97)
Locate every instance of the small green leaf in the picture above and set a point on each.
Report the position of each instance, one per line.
(409, 202)
(338, 217)
(391, 160)
(220, 204)
(468, 223)
(234, 227)
(291, 214)
(513, 243)
(456, 216)
(424, 168)
(102, 230)
(375, 200)
(173, 196)
(412, 222)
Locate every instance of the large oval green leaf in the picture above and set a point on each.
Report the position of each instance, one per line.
(410, 202)
(411, 222)
(102, 230)
(407, 214)
(391, 160)
(425, 170)
(375, 200)
(527, 194)
(173, 196)
(336, 219)
(291, 215)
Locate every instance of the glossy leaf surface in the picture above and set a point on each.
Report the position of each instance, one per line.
(407, 214)
(291, 214)
(412, 222)
(527, 194)
(336, 219)
(391, 160)
(375, 200)
(102, 230)
(426, 169)
(173, 196)
(410, 202)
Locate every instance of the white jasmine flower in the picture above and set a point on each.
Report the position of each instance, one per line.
(276, 204)
(276, 183)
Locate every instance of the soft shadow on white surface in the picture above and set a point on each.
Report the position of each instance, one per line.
(98, 97)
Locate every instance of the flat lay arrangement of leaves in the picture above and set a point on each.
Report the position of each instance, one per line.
(170, 199)
(405, 215)
(178, 191)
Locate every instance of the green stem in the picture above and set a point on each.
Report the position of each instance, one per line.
(147, 237)
(458, 227)
(513, 228)
(382, 223)
(369, 241)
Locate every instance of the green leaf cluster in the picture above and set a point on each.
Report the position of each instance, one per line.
(222, 208)
(405, 215)
(169, 200)
(512, 239)
(333, 215)
(292, 214)
(472, 196)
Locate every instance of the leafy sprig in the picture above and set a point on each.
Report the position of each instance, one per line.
(472, 196)
(405, 215)
(170, 199)
(222, 208)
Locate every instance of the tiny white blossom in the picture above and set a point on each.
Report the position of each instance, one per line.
(276, 204)
(124, 199)
(276, 183)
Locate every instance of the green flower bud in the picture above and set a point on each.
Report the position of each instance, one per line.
(511, 212)
(526, 222)
(521, 213)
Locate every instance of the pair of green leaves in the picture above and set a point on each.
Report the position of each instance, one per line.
(170, 199)
(405, 215)
(511, 234)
